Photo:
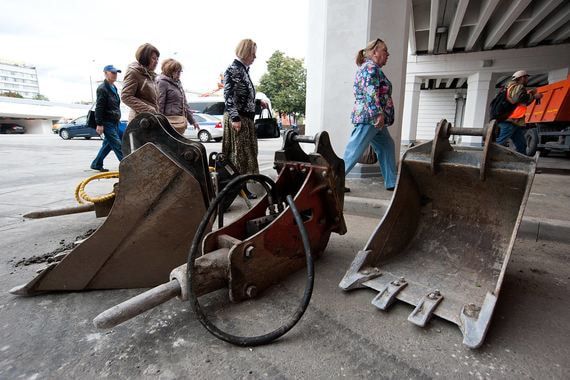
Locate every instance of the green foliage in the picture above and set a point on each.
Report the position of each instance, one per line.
(285, 83)
(11, 94)
(40, 97)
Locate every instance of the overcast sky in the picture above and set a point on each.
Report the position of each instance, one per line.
(70, 40)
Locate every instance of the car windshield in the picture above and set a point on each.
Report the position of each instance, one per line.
(207, 118)
(210, 108)
(81, 120)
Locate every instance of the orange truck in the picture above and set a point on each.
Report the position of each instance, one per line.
(550, 120)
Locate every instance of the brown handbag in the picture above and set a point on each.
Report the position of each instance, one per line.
(178, 122)
(368, 157)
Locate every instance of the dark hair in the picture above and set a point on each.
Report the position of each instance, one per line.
(170, 66)
(144, 52)
(363, 53)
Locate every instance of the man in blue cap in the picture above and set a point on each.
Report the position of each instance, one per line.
(107, 118)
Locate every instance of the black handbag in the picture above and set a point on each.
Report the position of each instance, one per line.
(266, 128)
(91, 123)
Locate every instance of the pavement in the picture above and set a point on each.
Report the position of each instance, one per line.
(341, 334)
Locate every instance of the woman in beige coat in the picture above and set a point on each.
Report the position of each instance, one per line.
(140, 91)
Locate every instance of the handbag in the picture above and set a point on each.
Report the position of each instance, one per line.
(178, 122)
(267, 127)
(91, 122)
(368, 157)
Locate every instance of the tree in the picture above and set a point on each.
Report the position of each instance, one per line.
(11, 94)
(41, 97)
(285, 83)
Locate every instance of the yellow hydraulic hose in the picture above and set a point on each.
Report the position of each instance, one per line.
(82, 197)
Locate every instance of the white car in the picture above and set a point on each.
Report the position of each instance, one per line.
(211, 128)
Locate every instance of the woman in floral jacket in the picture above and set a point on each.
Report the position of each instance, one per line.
(373, 112)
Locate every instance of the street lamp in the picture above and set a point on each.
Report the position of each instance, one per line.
(91, 80)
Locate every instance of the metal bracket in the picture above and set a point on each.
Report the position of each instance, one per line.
(388, 295)
(425, 308)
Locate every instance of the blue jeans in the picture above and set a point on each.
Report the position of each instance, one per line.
(515, 133)
(111, 141)
(381, 141)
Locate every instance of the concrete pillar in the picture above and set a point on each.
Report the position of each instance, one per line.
(390, 20)
(411, 105)
(558, 75)
(339, 28)
(479, 95)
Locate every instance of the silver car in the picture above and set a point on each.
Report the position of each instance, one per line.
(211, 128)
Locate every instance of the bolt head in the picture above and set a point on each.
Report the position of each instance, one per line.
(324, 174)
(251, 291)
(189, 156)
(249, 252)
(144, 123)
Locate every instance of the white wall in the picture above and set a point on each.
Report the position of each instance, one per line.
(435, 105)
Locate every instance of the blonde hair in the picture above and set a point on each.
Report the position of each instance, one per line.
(245, 48)
(170, 66)
(365, 53)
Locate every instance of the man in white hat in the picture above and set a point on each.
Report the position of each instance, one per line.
(518, 95)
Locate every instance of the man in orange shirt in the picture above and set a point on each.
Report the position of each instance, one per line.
(517, 94)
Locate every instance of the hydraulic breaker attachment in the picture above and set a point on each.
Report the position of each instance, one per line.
(445, 242)
(266, 244)
(163, 193)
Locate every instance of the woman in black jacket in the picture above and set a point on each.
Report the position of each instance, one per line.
(240, 141)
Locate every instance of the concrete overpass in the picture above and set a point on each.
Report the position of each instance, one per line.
(446, 57)
(37, 116)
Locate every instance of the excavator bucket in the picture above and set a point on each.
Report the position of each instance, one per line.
(445, 242)
(163, 193)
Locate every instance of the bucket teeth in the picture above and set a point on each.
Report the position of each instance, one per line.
(425, 308)
(387, 296)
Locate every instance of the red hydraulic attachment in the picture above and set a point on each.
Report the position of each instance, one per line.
(267, 243)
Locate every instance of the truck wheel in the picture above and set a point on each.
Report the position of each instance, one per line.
(531, 137)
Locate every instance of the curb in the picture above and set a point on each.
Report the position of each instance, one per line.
(531, 228)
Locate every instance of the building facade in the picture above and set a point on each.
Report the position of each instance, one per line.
(19, 78)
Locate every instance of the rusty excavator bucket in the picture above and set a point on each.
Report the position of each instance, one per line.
(163, 193)
(445, 242)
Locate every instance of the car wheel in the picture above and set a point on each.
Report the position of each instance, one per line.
(204, 136)
(87, 137)
(64, 134)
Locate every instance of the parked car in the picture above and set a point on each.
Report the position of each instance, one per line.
(11, 128)
(59, 123)
(79, 128)
(122, 127)
(210, 128)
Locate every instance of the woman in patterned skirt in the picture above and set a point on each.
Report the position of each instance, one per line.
(240, 141)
